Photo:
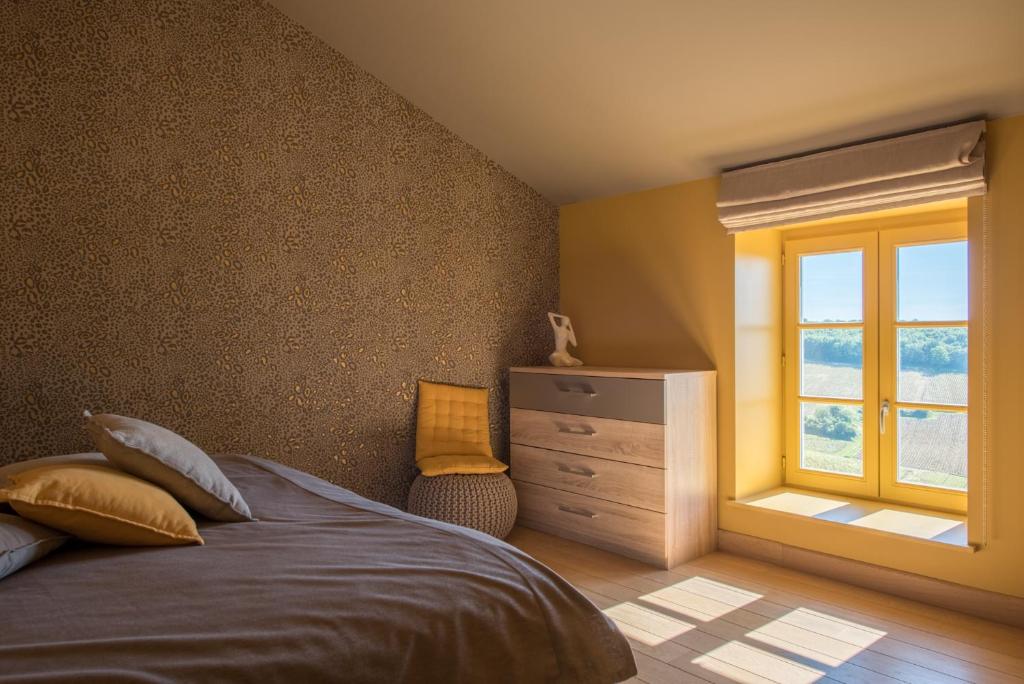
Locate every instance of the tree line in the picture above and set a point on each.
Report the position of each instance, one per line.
(930, 350)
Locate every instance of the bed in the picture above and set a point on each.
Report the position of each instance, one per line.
(325, 586)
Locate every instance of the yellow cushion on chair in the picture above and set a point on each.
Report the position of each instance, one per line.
(459, 464)
(452, 431)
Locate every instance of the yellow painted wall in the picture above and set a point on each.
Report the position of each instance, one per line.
(650, 279)
(758, 372)
(647, 279)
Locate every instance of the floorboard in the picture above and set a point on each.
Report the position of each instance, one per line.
(725, 618)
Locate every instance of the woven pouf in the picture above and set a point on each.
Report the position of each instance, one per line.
(485, 502)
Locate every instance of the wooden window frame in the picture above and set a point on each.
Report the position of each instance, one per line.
(878, 246)
(890, 487)
(865, 485)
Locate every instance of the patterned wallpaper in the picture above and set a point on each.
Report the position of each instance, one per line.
(211, 220)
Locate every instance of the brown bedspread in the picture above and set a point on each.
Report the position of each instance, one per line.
(326, 586)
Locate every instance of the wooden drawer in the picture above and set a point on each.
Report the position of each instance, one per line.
(628, 530)
(625, 483)
(618, 440)
(621, 398)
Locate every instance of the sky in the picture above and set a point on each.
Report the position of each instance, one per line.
(932, 284)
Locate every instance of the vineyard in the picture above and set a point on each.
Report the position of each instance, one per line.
(932, 443)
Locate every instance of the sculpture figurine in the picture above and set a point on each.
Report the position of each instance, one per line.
(564, 335)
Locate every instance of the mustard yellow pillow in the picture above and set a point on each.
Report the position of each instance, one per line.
(459, 464)
(101, 504)
(451, 420)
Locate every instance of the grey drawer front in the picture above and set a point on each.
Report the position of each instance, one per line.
(621, 398)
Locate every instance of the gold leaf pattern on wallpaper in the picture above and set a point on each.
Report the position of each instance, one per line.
(211, 220)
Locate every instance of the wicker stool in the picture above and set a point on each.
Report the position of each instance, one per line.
(484, 502)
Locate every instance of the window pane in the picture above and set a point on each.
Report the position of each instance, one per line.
(932, 365)
(933, 448)
(832, 363)
(832, 438)
(830, 287)
(932, 282)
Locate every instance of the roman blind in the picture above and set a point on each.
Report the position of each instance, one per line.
(943, 163)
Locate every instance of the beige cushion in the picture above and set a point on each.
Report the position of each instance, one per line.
(102, 504)
(167, 459)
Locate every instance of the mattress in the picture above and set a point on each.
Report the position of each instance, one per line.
(325, 586)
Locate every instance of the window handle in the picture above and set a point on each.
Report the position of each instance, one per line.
(882, 415)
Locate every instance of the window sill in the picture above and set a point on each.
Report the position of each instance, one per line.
(946, 529)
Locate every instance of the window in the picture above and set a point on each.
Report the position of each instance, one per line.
(876, 364)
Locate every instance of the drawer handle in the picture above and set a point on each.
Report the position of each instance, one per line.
(582, 472)
(576, 511)
(584, 390)
(590, 394)
(582, 431)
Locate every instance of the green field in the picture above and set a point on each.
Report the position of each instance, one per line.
(833, 455)
(932, 445)
(933, 450)
(845, 382)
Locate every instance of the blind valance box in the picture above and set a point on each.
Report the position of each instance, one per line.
(939, 164)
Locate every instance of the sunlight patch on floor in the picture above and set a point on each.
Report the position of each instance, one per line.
(800, 646)
(824, 638)
(739, 662)
(799, 504)
(699, 598)
(834, 626)
(663, 627)
(909, 524)
(721, 591)
(696, 608)
(637, 635)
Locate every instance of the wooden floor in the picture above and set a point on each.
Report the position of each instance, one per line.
(725, 618)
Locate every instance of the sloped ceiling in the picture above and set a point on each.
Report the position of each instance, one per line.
(586, 98)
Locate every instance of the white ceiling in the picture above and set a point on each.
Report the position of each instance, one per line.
(586, 98)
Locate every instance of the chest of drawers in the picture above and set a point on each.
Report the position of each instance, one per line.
(622, 459)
